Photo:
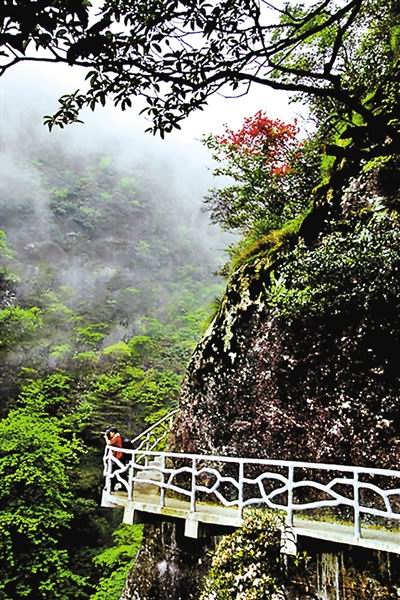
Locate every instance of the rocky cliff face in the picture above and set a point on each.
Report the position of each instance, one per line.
(171, 567)
(301, 360)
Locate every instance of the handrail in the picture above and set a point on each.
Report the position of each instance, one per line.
(151, 437)
(193, 475)
(264, 461)
(114, 468)
(149, 429)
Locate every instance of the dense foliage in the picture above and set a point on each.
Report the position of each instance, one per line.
(307, 332)
(249, 565)
(116, 562)
(103, 295)
(39, 451)
(343, 275)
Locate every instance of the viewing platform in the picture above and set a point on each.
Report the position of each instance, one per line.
(343, 504)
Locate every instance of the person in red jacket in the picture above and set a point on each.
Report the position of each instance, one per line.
(114, 438)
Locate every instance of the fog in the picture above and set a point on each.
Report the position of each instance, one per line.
(97, 263)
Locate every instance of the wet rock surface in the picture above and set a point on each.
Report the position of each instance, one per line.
(346, 573)
(171, 567)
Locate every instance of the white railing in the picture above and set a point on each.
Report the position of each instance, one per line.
(239, 482)
(151, 438)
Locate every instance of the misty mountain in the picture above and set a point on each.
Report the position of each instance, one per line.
(103, 251)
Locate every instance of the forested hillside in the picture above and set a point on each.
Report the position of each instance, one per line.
(106, 279)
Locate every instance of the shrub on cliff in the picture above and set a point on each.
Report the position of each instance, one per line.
(349, 273)
(248, 565)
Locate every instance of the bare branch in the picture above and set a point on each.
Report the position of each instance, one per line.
(339, 38)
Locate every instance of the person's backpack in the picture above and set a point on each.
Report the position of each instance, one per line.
(127, 443)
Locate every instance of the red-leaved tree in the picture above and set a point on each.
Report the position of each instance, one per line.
(271, 172)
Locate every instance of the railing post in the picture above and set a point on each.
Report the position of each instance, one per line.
(289, 516)
(130, 476)
(193, 487)
(108, 470)
(146, 459)
(357, 524)
(240, 492)
(162, 489)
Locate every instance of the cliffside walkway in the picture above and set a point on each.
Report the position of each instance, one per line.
(338, 503)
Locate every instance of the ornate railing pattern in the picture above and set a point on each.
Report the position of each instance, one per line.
(239, 482)
(154, 436)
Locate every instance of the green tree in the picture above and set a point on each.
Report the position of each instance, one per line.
(5, 251)
(125, 397)
(37, 457)
(115, 563)
(18, 325)
(177, 54)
